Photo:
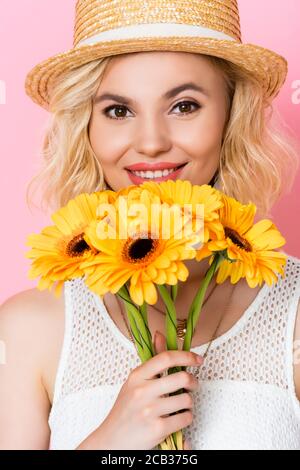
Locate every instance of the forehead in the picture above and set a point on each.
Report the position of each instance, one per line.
(158, 72)
(158, 62)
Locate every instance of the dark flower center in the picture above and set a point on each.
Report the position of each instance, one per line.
(77, 246)
(236, 238)
(139, 249)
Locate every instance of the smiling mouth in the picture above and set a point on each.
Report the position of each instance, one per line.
(148, 174)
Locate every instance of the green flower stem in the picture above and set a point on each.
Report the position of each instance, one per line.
(135, 332)
(174, 290)
(194, 315)
(139, 322)
(143, 310)
(138, 327)
(133, 326)
(171, 320)
(196, 305)
(143, 314)
(171, 332)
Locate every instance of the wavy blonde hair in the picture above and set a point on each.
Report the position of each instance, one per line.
(258, 160)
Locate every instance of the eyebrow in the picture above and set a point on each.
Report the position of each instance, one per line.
(169, 94)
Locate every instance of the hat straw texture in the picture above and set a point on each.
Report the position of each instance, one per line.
(106, 28)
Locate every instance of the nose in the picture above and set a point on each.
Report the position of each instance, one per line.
(152, 137)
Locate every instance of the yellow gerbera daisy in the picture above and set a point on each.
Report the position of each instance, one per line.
(250, 247)
(145, 257)
(182, 192)
(59, 249)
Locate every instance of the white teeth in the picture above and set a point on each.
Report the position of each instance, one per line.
(153, 174)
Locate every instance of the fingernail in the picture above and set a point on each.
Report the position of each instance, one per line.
(155, 335)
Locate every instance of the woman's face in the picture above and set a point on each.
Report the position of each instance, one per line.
(155, 127)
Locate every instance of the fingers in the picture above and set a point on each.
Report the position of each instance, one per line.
(173, 382)
(178, 421)
(173, 404)
(164, 361)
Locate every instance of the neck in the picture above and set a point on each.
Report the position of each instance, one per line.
(197, 270)
(187, 289)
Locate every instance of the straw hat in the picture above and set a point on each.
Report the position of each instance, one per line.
(110, 27)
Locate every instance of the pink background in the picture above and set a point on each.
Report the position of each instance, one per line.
(31, 31)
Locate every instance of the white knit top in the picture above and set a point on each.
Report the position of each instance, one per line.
(246, 397)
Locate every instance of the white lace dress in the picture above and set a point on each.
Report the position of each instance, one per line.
(246, 397)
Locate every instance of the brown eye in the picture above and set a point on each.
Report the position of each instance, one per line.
(120, 111)
(185, 107)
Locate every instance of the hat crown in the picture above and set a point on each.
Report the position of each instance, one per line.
(96, 16)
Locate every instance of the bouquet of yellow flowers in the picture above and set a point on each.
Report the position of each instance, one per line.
(134, 242)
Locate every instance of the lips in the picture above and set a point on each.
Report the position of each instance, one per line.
(138, 179)
(154, 166)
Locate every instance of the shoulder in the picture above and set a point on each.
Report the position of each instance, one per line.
(30, 311)
(30, 301)
(31, 326)
(30, 335)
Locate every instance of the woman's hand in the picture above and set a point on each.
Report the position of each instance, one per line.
(160, 345)
(140, 417)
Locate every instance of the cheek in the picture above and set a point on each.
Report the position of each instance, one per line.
(204, 135)
(104, 143)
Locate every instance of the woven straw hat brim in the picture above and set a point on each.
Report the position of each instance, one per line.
(269, 68)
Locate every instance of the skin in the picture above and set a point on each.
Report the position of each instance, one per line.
(155, 129)
(32, 322)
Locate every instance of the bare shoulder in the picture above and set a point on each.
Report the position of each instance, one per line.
(31, 335)
(33, 321)
(31, 299)
(32, 318)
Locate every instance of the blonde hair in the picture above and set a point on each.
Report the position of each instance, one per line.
(258, 160)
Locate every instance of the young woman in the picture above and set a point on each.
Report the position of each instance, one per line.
(202, 102)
